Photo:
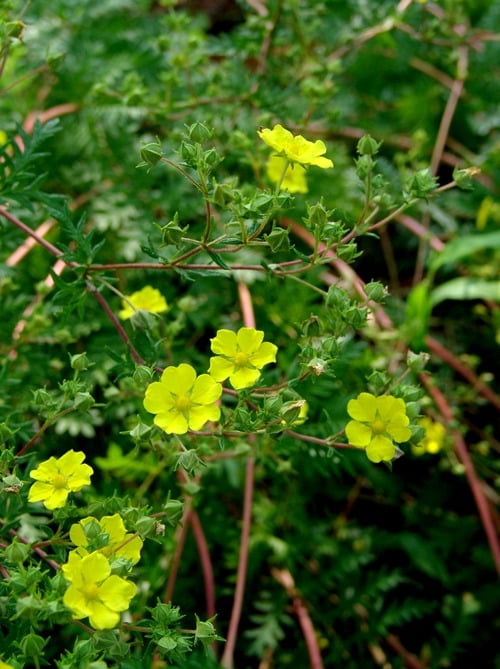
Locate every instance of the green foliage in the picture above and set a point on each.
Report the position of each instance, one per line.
(129, 157)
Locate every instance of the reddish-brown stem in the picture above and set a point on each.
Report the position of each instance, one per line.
(410, 660)
(227, 660)
(32, 233)
(206, 562)
(285, 579)
(474, 482)
(180, 540)
(447, 356)
(118, 326)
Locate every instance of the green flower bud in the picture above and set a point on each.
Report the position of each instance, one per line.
(145, 526)
(312, 326)
(278, 240)
(417, 361)
(16, 552)
(367, 146)
(317, 366)
(422, 183)
(151, 153)
(32, 645)
(79, 362)
(84, 401)
(173, 509)
(142, 375)
(12, 484)
(212, 158)
(463, 177)
(198, 132)
(375, 291)
(172, 232)
(317, 215)
(188, 152)
(14, 28)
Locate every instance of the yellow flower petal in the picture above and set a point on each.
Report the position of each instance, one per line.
(244, 378)
(249, 339)
(220, 368)
(358, 434)
(172, 423)
(205, 390)
(363, 408)
(380, 448)
(224, 343)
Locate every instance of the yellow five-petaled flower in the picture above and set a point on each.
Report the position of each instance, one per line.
(94, 591)
(57, 477)
(148, 299)
(378, 423)
(240, 356)
(295, 148)
(183, 401)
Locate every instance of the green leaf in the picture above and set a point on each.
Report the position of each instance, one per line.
(466, 288)
(461, 247)
(418, 310)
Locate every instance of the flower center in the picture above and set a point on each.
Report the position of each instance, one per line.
(91, 591)
(183, 403)
(378, 426)
(59, 481)
(241, 359)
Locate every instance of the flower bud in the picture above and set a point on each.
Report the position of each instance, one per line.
(422, 183)
(367, 146)
(151, 153)
(16, 552)
(32, 645)
(79, 362)
(14, 29)
(375, 291)
(198, 132)
(463, 177)
(278, 240)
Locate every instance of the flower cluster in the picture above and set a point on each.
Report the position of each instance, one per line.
(57, 477)
(95, 591)
(433, 439)
(295, 148)
(148, 299)
(183, 401)
(378, 423)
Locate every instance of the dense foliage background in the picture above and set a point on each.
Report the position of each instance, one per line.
(390, 566)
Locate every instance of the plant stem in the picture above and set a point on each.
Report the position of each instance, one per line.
(227, 660)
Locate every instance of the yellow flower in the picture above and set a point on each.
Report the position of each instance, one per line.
(295, 148)
(182, 400)
(147, 299)
(433, 439)
(240, 356)
(3, 140)
(294, 180)
(94, 591)
(4, 665)
(378, 423)
(111, 536)
(57, 477)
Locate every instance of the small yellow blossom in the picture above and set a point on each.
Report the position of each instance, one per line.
(4, 665)
(295, 148)
(147, 299)
(378, 423)
(183, 401)
(3, 140)
(94, 591)
(57, 477)
(433, 439)
(240, 356)
(294, 180)
(118, 544)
